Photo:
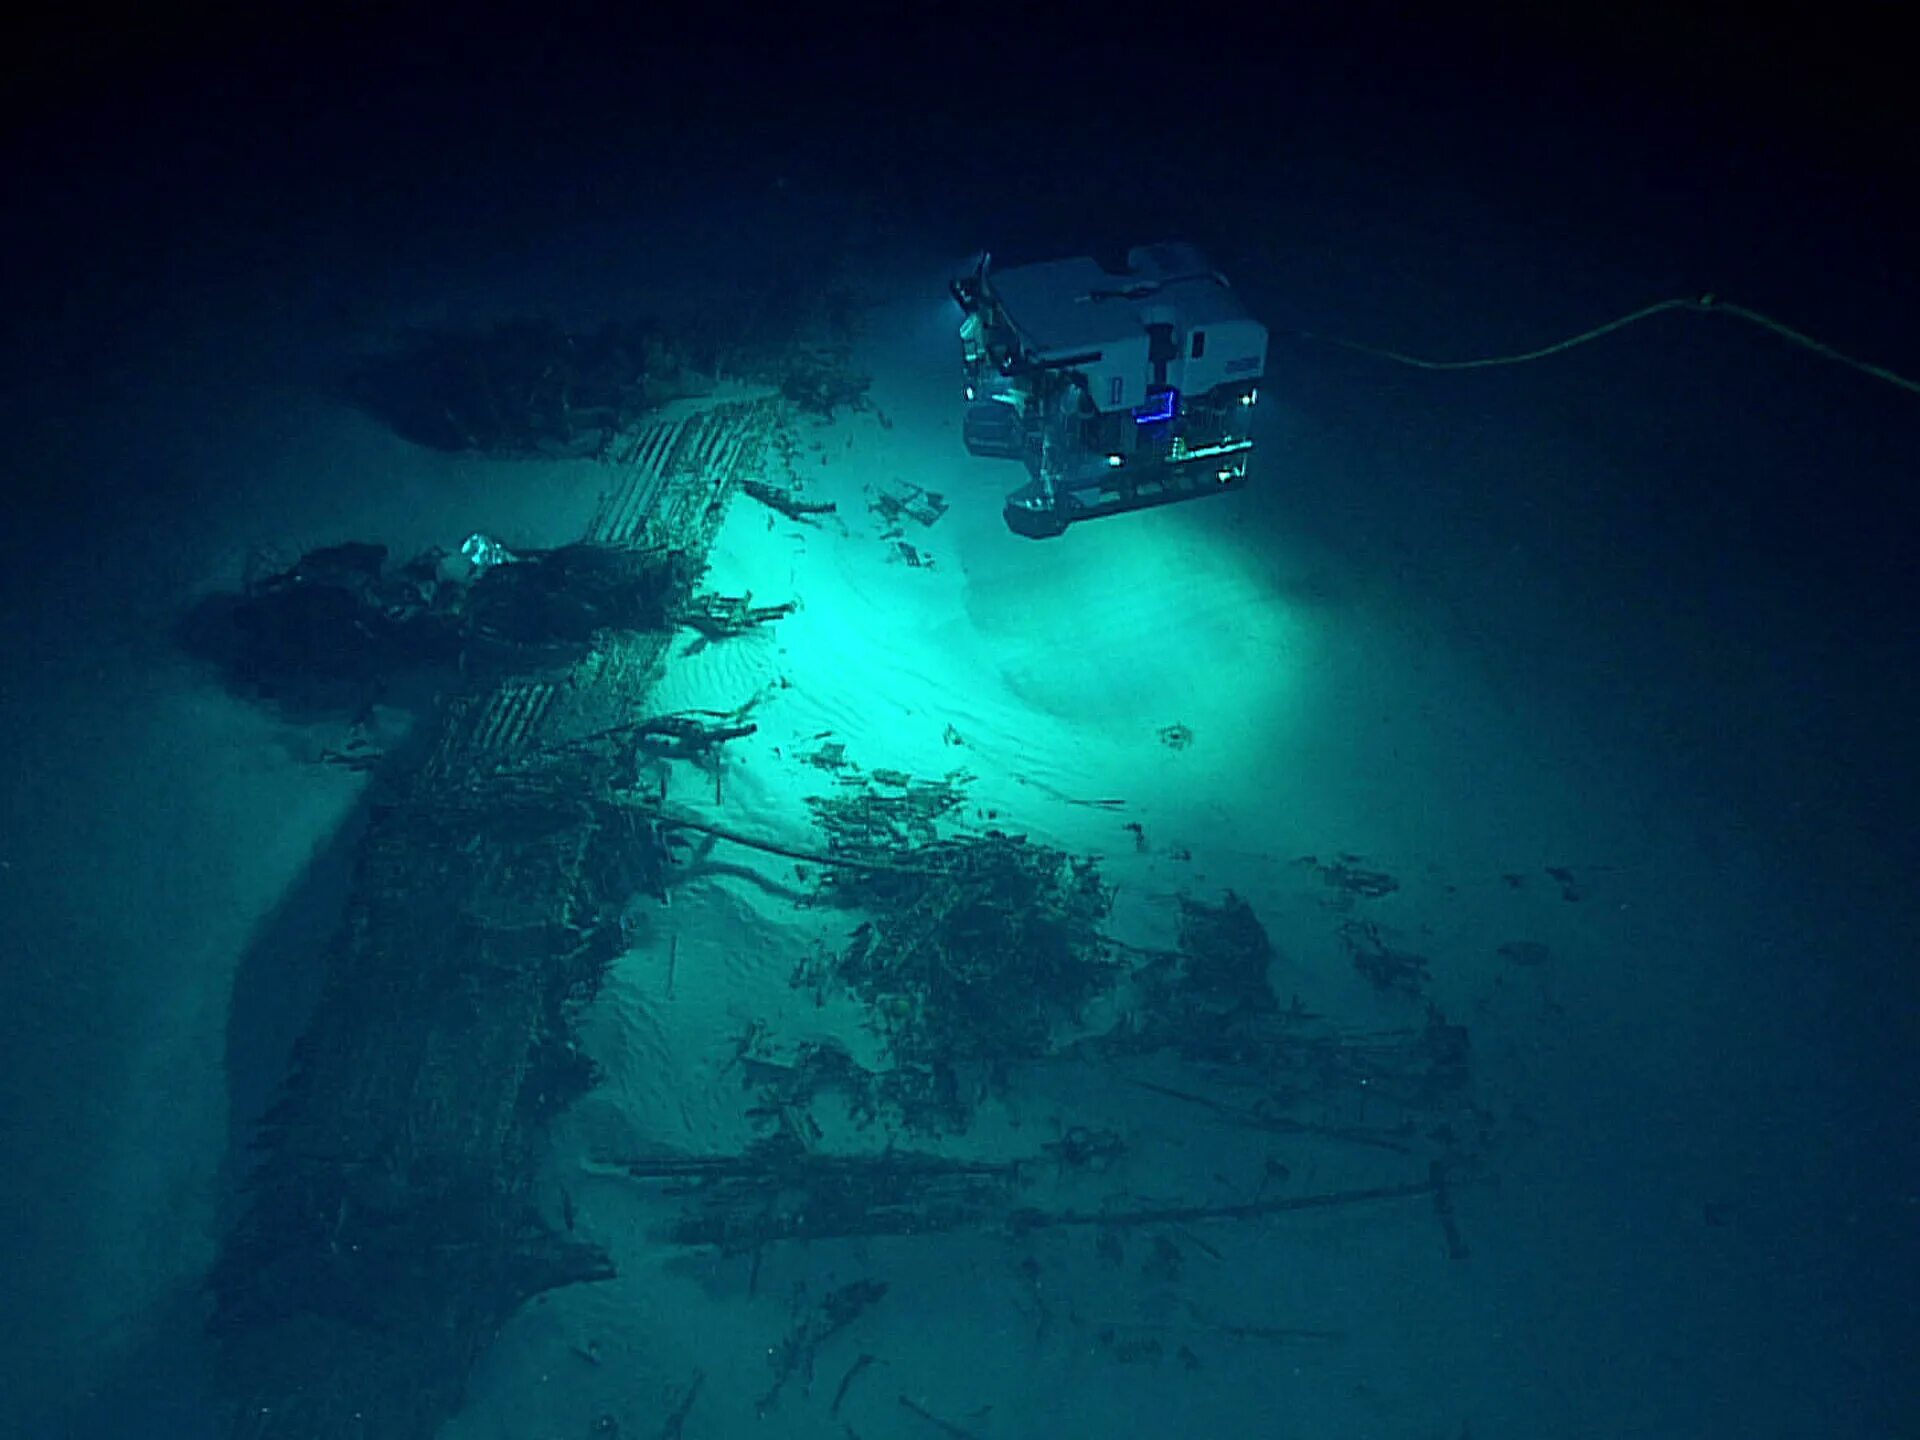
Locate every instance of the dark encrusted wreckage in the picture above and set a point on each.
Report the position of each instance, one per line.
(390, 1226)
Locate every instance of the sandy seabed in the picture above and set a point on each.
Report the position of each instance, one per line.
(1327, 712)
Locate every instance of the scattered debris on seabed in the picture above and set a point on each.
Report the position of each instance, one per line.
(494, 892)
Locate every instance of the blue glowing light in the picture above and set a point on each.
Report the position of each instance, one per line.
(1160, 406)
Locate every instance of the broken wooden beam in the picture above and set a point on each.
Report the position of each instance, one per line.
(775, 497)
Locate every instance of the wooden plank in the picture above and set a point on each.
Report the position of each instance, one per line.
(390, 1228)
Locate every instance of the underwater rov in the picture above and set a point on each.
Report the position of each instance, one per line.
(1119, 390)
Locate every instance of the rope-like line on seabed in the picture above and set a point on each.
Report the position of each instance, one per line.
(663, 820)
(1699, 304)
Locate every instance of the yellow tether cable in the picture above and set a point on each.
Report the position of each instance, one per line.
(1707, 302)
